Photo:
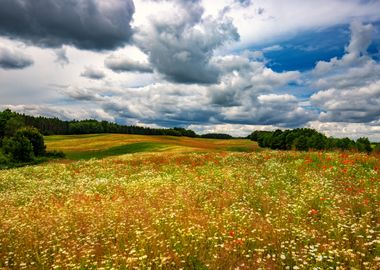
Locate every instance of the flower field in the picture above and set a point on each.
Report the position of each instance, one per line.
(193, 210)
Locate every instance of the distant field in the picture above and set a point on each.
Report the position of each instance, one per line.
(103, 145)
(182, 203)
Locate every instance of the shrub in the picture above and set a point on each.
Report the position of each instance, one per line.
(19, 148)
(36, 139)
(55, 154)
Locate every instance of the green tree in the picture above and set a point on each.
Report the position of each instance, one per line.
(363, 145)
(36, 139)
(301, 143)
(19, 148)
(345, 144)
(13, 124)
(317, 141)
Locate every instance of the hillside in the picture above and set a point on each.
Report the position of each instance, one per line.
(102, 145)
(192, 204)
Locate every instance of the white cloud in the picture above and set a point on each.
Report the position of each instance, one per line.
(345, 129)
(232, 129)
(350, 86)
(274, 98)
(266, 21)
(62, 112)
(352, 105)
(273, 48)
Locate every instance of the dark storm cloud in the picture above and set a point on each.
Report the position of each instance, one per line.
(123, 64)
(181, 47)
(92, 73)
(85, 24)
(11, 59)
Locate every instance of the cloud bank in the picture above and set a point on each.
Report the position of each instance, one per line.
(85, 24)
(180, 42)
(14, 59)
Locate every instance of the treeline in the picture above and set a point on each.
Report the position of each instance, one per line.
(53, 126)
(10, 121)
(217, 136)
(305, 139)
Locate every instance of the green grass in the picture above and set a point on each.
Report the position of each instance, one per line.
(245, 149)
(117, 150)
(53, 138)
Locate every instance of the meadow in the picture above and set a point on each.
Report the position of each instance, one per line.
(159, 202)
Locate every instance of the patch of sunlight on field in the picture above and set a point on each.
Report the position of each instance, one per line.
(199, 210)
(101, 145)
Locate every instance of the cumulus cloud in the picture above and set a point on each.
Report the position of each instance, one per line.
(352, 105)
(349, 87)
(93, 73)
(14, 59)
(356, 51)
(165, 104)
(361, 38)
(85, 24)
(246, 94)
(124, 64)
(244, 79)
(275, 98)
(180, 42)
(352, 130)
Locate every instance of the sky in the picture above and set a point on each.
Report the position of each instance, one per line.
(226, 66)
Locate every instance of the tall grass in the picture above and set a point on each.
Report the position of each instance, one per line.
(217, 210)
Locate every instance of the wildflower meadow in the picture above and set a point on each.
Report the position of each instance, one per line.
(194, 210)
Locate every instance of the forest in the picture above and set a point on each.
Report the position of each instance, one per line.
(304, 139)
(9, 121)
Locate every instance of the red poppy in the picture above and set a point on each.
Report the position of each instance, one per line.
(313, 212)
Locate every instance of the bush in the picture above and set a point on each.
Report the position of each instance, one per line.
(376, 150)
(19, 148)
(55, 154)
(36, 139)
(363, 145)
(3, 159)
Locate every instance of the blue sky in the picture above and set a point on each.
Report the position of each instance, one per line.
(304, 50)
(213, 66)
